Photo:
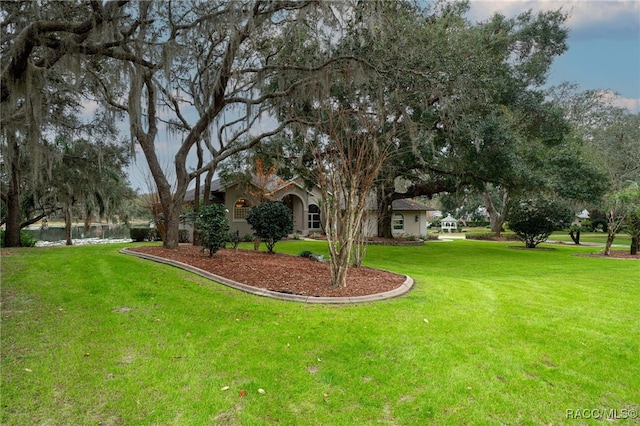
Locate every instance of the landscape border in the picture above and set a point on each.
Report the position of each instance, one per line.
(404, 288)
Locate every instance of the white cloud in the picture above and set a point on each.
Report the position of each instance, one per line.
(632, 105)
(588, 19)
(90, 108)
(615, 99)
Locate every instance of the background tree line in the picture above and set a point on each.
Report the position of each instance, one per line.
(444, 105)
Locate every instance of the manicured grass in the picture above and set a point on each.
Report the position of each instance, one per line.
(489, 335)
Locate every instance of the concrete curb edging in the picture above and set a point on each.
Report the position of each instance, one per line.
(404, 288)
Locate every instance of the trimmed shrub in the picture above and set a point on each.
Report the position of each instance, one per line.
(271, 222)
(477, 224)
(599, 224)
(183, 236)
(213, 227)
(234, 239)
(139, 235)
(26, 239)
(534, 220)
(491, 236)
(306, 253)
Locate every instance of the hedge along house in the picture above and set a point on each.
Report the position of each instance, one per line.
(409, 217)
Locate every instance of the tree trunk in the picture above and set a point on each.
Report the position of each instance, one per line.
(87, 223)
(339, 267)
(12, 230)
(196, 194)
(635, 242)
(496, 218)
(385, 214)
(67, 224)
(575, 236)
(172, 225)
(360, 244)
(207, 188)
(612, 228)
(610, 237)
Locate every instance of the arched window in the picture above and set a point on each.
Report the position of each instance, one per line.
(314, 216)
(398, 222)
(240, 208)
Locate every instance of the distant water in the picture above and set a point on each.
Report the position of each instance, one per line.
(96, 232)
(84, 242)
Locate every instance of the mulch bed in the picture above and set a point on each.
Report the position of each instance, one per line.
(280, 272)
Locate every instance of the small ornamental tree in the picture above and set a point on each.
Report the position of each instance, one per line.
(213, 227)
(270, 221)
(534, 220)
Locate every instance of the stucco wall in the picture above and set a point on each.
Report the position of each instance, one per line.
(411, 226)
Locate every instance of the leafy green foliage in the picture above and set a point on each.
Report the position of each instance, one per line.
(183, 236)
(143, 234)
(271, 222)
(534, 220)
(234, 239)
(490, 236)
(213, 227)
(306, 253)
(26, 239)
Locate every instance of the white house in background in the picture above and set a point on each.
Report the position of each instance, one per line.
(409, 217)
(580, 217)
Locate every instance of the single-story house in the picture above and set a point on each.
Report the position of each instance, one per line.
(239, 197)
(580, 217)
(409, 217)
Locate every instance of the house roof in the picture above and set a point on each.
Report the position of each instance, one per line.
(216, 186)
(449, 218)
(584, 214)
(408, 204)
(271, 184)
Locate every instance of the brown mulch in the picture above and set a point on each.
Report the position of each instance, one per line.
(280, 272)
(615, 254)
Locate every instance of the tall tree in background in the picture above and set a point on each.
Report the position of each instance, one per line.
(212, 61)
(41, 89)
(609, 137)
(618, 147)
(90, 175)
(473, 109)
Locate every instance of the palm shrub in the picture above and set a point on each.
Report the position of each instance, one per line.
(213, 227)
(535, 219)
(270, 221)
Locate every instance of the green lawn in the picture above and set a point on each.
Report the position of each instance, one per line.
(489, 335)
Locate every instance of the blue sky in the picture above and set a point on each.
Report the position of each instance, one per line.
(604, 43)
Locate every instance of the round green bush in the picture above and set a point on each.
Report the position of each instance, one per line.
(270, 221)
(534, 220)
(213, 227)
